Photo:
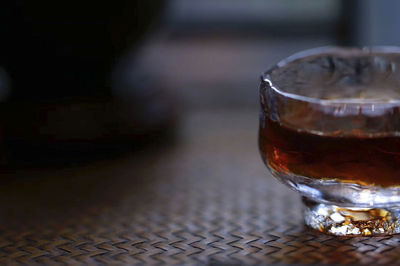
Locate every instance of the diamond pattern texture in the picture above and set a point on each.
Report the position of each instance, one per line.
(206, 199)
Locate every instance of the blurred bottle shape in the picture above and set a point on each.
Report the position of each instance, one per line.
(68, 86)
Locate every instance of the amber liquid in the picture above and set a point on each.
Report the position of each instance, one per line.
(361, 160)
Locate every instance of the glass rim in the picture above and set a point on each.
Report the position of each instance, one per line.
(334, 50)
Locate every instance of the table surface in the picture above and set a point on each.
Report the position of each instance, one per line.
(204, 199)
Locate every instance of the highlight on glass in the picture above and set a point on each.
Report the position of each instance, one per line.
(330, 130)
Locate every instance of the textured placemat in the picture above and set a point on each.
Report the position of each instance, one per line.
(207, 199)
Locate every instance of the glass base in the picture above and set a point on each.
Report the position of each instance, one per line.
(352, 221)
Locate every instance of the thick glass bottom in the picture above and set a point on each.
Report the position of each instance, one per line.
(352, 221)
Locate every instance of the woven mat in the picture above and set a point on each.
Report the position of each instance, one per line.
(207, 199)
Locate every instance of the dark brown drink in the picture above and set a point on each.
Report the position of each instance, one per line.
(330, 130)
(366, 160)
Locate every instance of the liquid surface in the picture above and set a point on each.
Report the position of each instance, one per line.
(358, 75)
(361, 160)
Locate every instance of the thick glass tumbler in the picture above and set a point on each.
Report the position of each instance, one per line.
(330, 129)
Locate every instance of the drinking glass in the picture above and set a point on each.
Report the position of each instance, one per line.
(330, 130)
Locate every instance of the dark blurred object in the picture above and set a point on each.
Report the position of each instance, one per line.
(277, 18)
(59, 56)
(373, 22)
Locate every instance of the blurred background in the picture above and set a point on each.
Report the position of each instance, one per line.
(131, 125)
(87, 81)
